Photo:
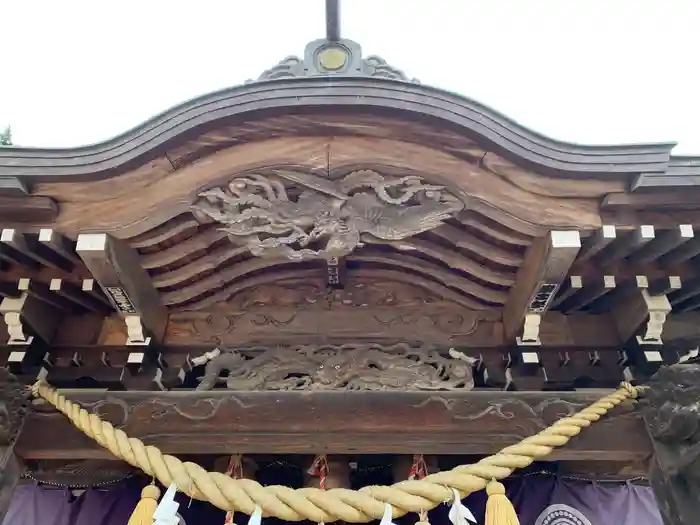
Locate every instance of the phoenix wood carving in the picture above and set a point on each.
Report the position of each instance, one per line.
(302, 216)
(346, 367)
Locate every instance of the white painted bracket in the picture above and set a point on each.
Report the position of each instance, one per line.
(658, 307)
(135, 333)
(531, 331)
(10, 307)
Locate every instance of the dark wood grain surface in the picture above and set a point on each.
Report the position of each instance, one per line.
(335, 422)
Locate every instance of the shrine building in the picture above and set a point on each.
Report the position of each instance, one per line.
(334, 271)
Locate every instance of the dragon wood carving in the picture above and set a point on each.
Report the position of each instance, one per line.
(302, 216)
(345, 367)
(672, 415)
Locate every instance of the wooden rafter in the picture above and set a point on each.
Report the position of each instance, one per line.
(545, 268)
(116, 267)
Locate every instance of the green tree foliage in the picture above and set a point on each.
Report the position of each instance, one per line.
(6, 137)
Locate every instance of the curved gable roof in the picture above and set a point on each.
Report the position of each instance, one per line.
(348, 83)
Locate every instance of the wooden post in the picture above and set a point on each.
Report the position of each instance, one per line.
(673, 421)
(116, 267)
(546, 266)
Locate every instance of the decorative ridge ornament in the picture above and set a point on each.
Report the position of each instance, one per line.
(300, 216)
(333, 58)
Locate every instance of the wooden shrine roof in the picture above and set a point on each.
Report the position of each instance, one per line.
(357, 96)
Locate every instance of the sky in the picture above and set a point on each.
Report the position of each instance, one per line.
(76, 72)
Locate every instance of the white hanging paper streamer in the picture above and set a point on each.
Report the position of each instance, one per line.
(256, 516)
(166, 511)
(386, 519)
(459, 514)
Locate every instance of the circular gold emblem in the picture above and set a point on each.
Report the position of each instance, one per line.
(333, 58)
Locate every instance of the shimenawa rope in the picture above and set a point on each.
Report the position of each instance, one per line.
(326, 506)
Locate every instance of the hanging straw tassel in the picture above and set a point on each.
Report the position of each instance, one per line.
(423, 518)
(146, 507)
(499, 509)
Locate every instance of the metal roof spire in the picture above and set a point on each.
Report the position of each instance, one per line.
(333, 20)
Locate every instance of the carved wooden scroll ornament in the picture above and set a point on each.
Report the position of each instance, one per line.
(344, 367)
(302, 216)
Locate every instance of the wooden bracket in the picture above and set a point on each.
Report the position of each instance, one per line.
(26, 317)
(639, 310)
(15, 329)
(116, 267)
(658, 309)
(531, 330)
(546, 265)
(135, 331)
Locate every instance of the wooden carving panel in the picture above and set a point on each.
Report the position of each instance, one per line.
(340, 367)
(306, 312)
(308, 325)
(327, 218)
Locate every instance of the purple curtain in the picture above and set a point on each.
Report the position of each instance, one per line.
(34, 505)
(595, 503)
(539, 500)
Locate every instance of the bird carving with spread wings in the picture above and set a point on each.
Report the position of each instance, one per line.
(301, 216)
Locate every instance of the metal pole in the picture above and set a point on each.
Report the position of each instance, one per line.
(333, 20)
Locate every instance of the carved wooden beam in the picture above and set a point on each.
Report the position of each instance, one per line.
(335, 422)
(504, 367)
(545, 268)
(116, 268)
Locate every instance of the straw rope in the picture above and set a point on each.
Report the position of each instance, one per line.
(325, 506)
